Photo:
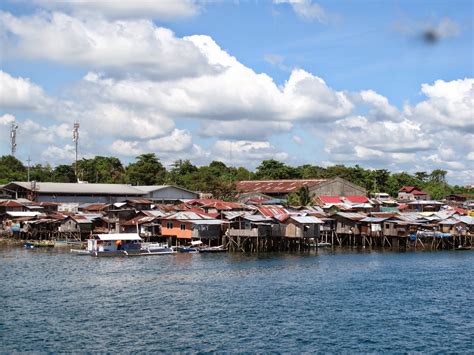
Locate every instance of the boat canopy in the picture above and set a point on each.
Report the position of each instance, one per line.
(119, 236)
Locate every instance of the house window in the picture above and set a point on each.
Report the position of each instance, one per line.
(183, 227)
(169, 225)
(387, 226)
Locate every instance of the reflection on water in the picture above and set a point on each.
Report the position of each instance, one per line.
(336, 301)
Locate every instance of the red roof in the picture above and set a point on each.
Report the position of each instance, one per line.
(272, 211)
(407, 189)
(460, 211)
(276, 186)
(330, 199)
(357, 199)
(10, 203)
(223, 205)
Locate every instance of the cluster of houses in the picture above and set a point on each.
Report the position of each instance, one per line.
(257, 220)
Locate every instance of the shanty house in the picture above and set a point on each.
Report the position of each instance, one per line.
(244, 224)
(412, 193)
(190, 225)
(302, 227)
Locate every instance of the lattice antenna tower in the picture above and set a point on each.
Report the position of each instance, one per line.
(75, 139)
(13, 137)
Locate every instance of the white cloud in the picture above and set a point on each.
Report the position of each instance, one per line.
(17, 92)
(307, 10)
(177, 141)
(297, 139)
(244, 129)
(380, 108)
(165, 10)
(7, 119)
(54, 153)
(113, 119)
(126, 47)
(246, 153)
(450, 104)
(126, 148)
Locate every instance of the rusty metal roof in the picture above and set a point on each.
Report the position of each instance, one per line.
(276, 186)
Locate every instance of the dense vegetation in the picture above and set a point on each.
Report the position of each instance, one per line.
(219, 179)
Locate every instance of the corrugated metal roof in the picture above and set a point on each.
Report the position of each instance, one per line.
(330, 199)
(373, 219)
(80, 189)
(207, 222)
(276, 186)
(356, 199)
(187, 216)
(353, 216)
(22, 214)
(307, 220)
(466, 219)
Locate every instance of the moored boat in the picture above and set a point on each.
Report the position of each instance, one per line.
(219, 249)
(39, 244)
(121, 244)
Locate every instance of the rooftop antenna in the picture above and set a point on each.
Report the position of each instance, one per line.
(29, 161)
(13, 137)
(75, 139)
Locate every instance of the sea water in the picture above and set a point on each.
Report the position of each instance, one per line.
(327, 301)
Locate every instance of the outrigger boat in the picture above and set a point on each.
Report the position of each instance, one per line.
(121, 244)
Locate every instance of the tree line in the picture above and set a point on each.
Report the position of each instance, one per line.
(218, 178)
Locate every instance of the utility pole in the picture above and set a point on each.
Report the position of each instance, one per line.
(13, 137)
(75, 139)
(29, 161)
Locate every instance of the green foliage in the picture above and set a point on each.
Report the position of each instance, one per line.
(273, 169)
(147, 170)
(64, 173)
(11, 169)
(100, 170)
(219, 179)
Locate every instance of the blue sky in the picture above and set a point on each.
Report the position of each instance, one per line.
(382, 84)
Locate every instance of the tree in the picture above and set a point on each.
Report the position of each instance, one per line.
(64, 173)
(147, 170)
(100, 170)
(11, 169)
(273, 170)
(438, 176)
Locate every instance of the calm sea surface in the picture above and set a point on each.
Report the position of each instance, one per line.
(338, 302)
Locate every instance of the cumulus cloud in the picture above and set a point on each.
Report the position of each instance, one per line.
(450, 104)
(246, 152)
(165, 10)
(251, 130)
(136, 47)
(21, 93)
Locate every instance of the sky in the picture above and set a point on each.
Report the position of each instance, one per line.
(382, 84)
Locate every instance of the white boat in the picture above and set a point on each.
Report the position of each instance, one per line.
(324, 244)
(157, 248)
(121, 244)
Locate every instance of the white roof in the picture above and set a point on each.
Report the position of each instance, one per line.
(207, 221)
(80, 189)
(119, 236)
(23, 214)
(307, 220)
